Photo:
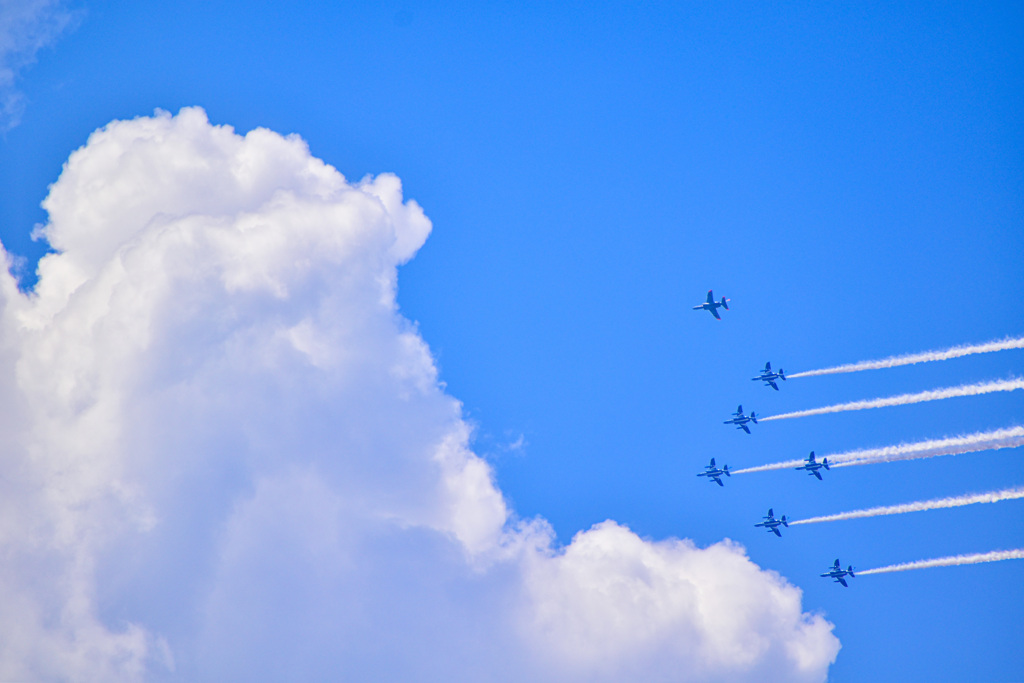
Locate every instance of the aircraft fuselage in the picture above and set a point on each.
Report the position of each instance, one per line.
(838, 573)
(712, 306)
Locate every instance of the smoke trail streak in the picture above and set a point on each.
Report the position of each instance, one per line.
(906, 399)
(1010, 437)
(1000, 438)
(994, 556)
(911, 359)
(935, 504)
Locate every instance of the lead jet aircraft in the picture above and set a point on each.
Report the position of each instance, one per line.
(712, 306)
(771, 524)
(813, 466)
(741, 420)
(715, 473)
(769, 377)
(836, 572)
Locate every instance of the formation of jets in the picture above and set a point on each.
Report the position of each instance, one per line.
(741, 420)
(811, 466)
(712, 306)
(714, 473)
(771, 524)
(836, 572)
(769, 377)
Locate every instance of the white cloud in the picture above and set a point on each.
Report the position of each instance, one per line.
(615, 607)
(227, 456)
(26, 26)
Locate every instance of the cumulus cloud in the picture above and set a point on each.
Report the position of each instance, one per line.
(26, 26)
(614, 607)
(227, 456)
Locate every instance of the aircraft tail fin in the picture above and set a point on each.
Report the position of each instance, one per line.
(849, 570)
(725, 468)
(725, 303)
(824, 463)
(753, 418)
(784, 522)
(782, 374)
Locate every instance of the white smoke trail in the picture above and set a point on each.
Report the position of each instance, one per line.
(1010, 437)
(994, 556)
(981, 441)
(935, 504)
(906, 399)
(911, 359)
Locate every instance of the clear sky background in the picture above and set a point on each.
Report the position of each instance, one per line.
(851, 177)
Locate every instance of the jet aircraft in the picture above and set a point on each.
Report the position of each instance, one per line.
(769, 377)
(771, 524)
(813, 466)
(741, 420)
(711, 306)
(715, 473)
(836, 572)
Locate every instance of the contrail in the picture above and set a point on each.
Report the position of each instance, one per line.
(905, 399)
(936, 504)
(1010, 437)
(994, 556)
(911, 359)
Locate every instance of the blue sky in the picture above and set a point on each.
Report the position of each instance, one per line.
(851, 177)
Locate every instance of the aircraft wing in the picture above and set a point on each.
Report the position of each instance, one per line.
(817, 474)
(772, 384)
(718, 481)
(776, 530)
(714, 312)
(842, 581)
(711, 297)
(745, 428)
